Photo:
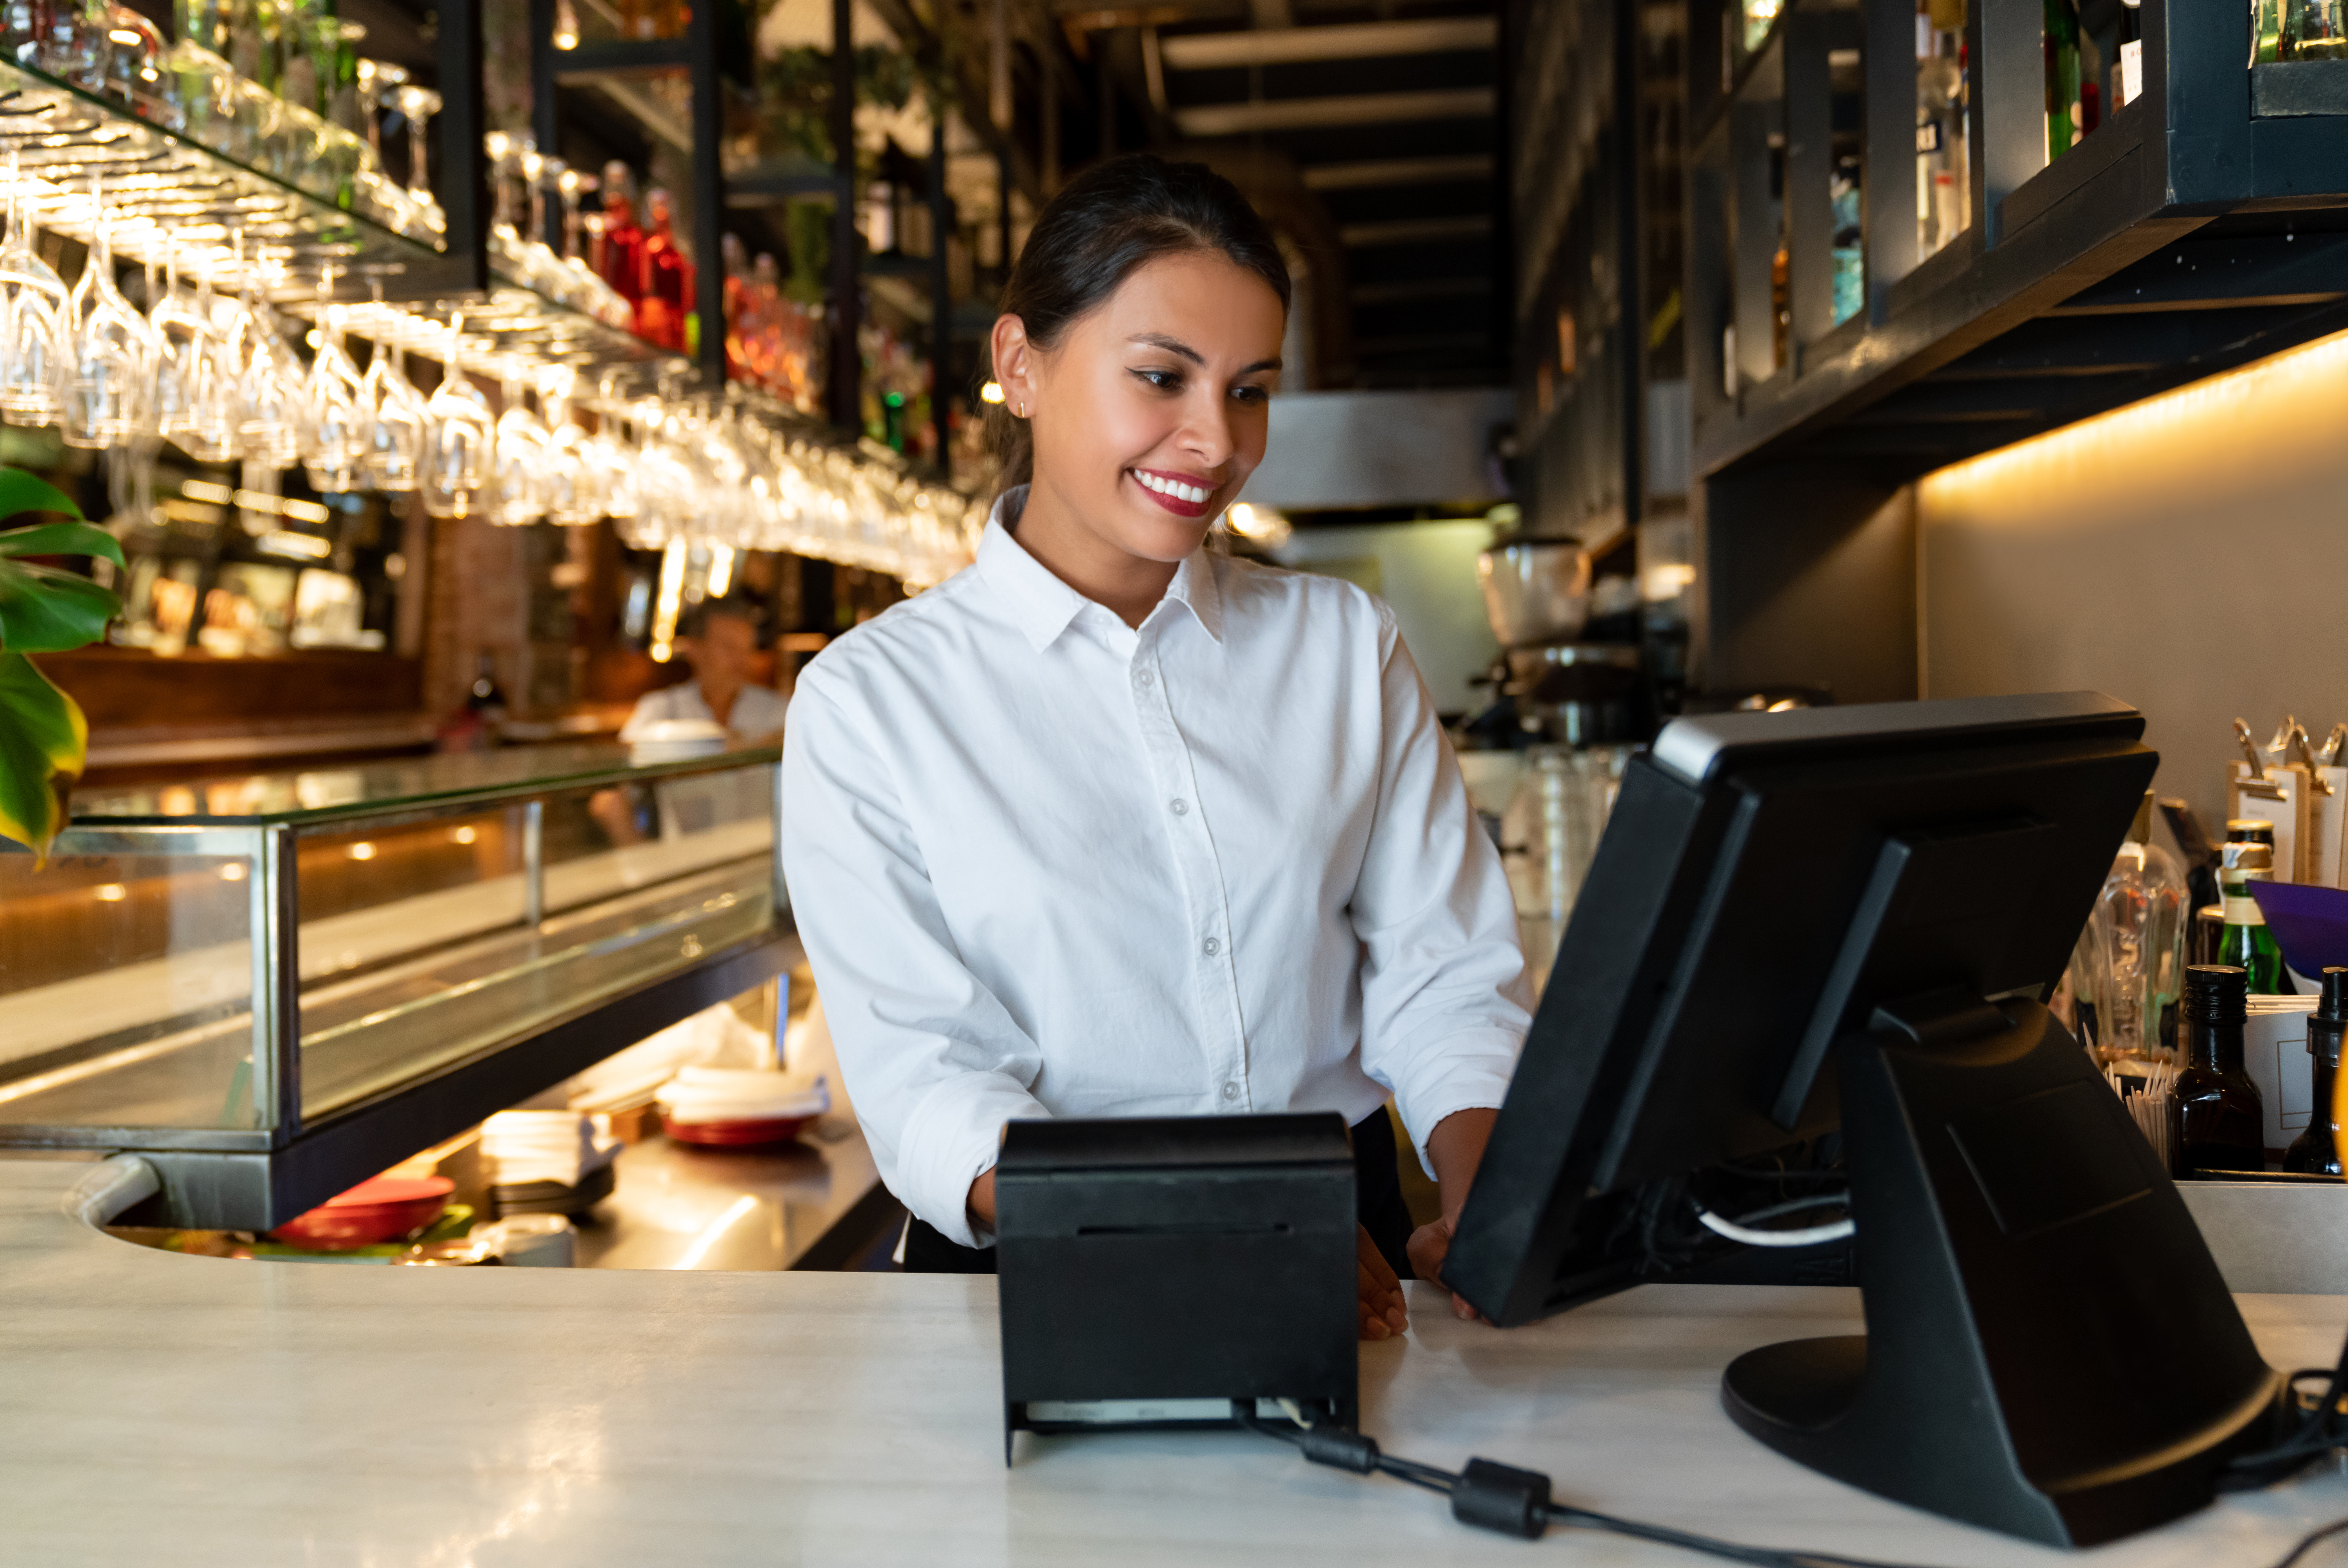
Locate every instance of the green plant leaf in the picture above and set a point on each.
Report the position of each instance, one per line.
(60, 539)
(44, 742)
(21, 492)
(46, 610)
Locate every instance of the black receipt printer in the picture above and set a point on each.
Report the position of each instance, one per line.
(1154, 1270)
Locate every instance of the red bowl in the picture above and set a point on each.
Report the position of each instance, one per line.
(381, 1209)
(738, 1134)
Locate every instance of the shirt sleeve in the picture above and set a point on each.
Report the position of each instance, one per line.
(932, 1061)
(1444, 999)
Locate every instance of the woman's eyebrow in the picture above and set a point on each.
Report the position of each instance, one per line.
(1176, 345)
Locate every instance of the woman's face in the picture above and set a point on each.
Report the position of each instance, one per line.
(1148, 414)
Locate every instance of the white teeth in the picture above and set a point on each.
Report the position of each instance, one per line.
(1173, 488)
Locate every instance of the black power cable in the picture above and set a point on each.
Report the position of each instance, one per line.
(1516, 1502)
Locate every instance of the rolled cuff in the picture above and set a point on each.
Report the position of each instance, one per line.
(1473, 1076)
(952, 1136)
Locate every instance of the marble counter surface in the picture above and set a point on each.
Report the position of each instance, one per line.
(156, 1408)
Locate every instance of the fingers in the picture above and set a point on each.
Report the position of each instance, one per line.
(1373, 1259)
(1379, 1311)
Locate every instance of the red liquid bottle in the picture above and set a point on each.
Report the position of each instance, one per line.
(668, 280)
(623, 242)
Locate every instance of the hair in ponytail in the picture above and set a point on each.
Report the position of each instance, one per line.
(1105, 223)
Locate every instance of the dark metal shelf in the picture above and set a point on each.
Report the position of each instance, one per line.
(2187, 234)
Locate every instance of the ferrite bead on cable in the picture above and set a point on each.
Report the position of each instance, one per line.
(1336, 1446)
(1496, 1497)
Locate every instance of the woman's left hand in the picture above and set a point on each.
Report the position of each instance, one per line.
(1428, 1245)
(1380, 1312)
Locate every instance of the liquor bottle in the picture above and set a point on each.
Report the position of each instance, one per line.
(667, 286)
(2221, 1121)
(1943, 194)
(2246, 942)
(2062, 37)
(623, 242)
(2316, 1152)
(2128, 73)
(2136, 946)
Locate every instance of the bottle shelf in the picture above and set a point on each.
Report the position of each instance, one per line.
(2177, 238)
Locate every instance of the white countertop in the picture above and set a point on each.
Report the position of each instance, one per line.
(156, 1408)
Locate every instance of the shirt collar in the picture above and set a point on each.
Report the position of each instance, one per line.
(1044, 606)
(1041, 604)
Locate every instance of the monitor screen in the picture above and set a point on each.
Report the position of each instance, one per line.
(1766, 883)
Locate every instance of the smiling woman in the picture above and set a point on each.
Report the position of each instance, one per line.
(1109, 824)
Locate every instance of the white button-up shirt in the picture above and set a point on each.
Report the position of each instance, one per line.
(1045, 864)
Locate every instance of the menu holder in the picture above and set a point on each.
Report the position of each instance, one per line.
(2284, 797)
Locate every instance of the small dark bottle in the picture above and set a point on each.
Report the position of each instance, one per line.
(2316, 1152)
(2221, 1123)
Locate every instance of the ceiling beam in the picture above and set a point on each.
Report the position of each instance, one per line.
(1353, 41)
(1399, 172)
(1321, 113)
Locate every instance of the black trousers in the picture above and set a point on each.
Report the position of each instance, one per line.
(1377, 1197)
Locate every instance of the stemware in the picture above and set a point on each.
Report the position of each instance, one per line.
(335, 415)
(418, 105)
(34, 346)
(571, 489)
(182, 339)
(517, 468)
(111, 362)
(210, 433)
(268, 389)
(460, 440)
(399, 432)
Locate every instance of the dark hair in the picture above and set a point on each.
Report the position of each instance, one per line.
(1105, 223)
(696, 621)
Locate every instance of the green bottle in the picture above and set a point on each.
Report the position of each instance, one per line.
(2246, 943)
(2062, 33)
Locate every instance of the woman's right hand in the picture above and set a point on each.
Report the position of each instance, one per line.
(1379, 1314)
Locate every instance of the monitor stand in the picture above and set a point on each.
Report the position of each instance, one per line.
(2050, 1350)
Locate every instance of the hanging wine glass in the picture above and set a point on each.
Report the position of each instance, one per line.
(269, 387)
(401, 423)
(33, 344)
(336, 414)
(213, 376)
(461, 439)
(566, 484)
(182, 338)
(418, 105)
(517, 475)
(109, 369)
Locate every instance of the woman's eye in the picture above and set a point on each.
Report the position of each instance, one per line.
(1249, 394)
(1163, 380)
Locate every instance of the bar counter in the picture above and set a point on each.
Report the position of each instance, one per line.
(162, 1409)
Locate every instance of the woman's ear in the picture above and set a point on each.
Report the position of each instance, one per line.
(1014, 364)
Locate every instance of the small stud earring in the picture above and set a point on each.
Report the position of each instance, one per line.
(1022, 411)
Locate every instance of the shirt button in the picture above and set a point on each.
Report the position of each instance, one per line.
(1179, 807)
(1230, 1091)
(1214, 946)
(1144, 679)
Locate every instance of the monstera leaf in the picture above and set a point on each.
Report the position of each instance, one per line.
(44, 738)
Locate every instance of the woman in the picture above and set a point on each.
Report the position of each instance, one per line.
(1108, 825)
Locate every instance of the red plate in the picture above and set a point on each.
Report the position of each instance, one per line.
(736, 1135)
(383, 1208)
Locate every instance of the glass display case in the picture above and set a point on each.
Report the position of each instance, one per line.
(275, 986)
